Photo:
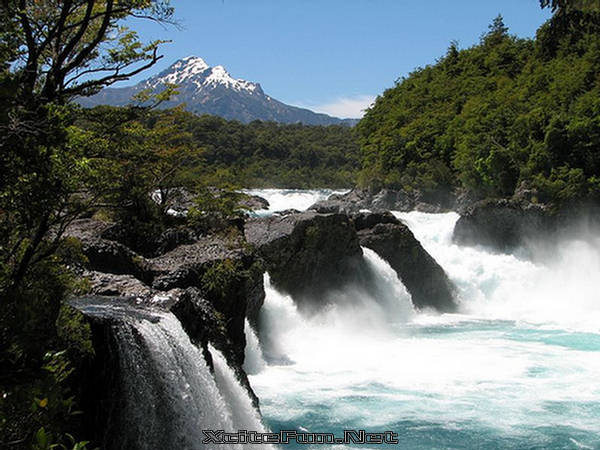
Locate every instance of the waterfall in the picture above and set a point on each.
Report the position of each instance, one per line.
(558, 292)
(516, 367)
(254, 360)
(389, 290)
(244, 415)
(169, 395)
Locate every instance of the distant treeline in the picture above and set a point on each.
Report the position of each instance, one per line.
(261, 154)
(267, 154)
(490, 117)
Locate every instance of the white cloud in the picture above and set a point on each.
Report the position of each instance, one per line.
(344, 107)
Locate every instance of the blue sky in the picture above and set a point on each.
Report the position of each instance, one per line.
(333, 56)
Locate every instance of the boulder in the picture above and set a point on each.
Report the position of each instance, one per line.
(506, 224)
(109, 284)
(385, 200)
(422, 276)
(185, 265)
(307, 254)
(105, 255)
(352, 202)
(254, 203)
(503, 224)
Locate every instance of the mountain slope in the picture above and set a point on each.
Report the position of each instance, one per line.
(211, 90)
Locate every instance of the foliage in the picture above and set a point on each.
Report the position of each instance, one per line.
(50, 51)
(490, 117)
(221, 278)
(142, 161)
(267, 154)
(61, 49)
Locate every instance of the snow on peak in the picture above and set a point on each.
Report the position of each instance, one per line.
(182, 70)
(193, 69)
(220, 76)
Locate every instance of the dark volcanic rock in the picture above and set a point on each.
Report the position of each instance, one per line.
(385, 200)
(184, 266)
(212, 269)
(227, 276)
(426, 281)
(351, 202)
(105, 255)
(108, 284)
(307, 254)
(502, 224)
(254, 203)
(506, 224)
(203, 324)
(103, 395)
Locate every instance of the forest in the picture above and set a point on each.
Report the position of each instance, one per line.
(505, 113)
(258, 154)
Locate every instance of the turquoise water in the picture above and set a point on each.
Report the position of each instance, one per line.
(534, 391)
(517, 368)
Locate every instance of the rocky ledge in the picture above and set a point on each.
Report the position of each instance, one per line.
(506, 224)
(309, 254)
(423, 277)
(211, 283)
(381, 200)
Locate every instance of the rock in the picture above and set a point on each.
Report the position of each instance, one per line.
(108, 284)
(502, 224)
(385, 200)
(255, 293)
(184, 266)
(101, 381)
(150, 242)
(237, 284)
(203, 324)
(426, 281)
(226, 275)
(254, 203)
(391, 200)
(307, 254)
(465, 199)
(353, 201)
(107, 256)
(286, 212)
(506, 224)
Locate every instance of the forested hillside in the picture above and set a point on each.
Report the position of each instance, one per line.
(490, 117)
(258, 154)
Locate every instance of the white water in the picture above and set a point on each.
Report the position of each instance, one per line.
(299, 199)
(254, 360)
(517, 368)
(168, 392)
(559, 293)
(244, 415)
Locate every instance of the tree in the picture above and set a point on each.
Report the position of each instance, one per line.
(50, 52)
(55, 50)
(65, 48)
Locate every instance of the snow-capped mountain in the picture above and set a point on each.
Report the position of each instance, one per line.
(211, 90)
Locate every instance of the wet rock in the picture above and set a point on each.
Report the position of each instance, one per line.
(423, 277)
(307, 254)
(382, 200)
(503, 224)
(204, 325)
(254, 203)
(108, 284)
